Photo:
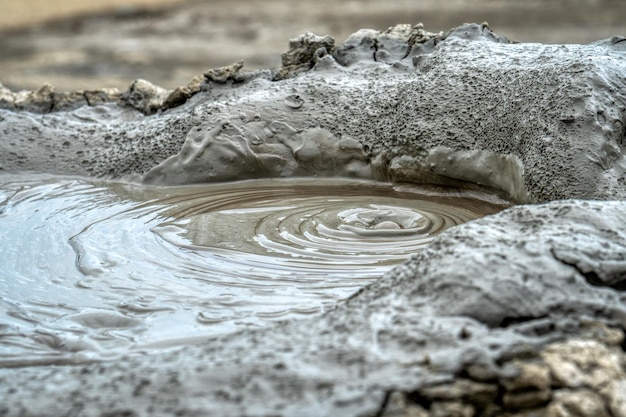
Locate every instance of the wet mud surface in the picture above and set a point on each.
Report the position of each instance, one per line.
(502, 334)
(206, 260)
(518, 313)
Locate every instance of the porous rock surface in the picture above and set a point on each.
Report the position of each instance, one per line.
(517, 314)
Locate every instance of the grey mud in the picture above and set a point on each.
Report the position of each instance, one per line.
(518, 312)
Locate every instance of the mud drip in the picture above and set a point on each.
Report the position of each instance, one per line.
(93, 270)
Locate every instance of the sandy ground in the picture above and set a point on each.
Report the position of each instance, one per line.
(75, 44)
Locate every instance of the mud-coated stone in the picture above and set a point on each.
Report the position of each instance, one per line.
(526, 400)
(398, 406)
(527, 376)
(587, 363)
(145, 96)
(462, 390)
(577, 403)
(451, 409)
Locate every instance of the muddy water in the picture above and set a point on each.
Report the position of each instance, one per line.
(92, 270)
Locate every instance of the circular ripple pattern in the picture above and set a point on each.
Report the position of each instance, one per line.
(307, 229)
(96, 269)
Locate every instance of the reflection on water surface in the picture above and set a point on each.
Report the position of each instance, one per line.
(93, 269)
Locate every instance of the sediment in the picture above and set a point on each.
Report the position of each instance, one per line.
(519, 313)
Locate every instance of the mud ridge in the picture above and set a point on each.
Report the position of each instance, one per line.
(550, 127)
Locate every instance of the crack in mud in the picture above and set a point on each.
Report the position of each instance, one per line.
(383, 406)
(592, 277)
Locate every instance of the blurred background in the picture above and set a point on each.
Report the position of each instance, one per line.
(90, 44)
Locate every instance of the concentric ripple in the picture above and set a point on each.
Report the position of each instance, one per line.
(94, 269)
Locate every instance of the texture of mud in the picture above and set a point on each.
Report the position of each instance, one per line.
(537, 122)
(485, 300)
(518, 313)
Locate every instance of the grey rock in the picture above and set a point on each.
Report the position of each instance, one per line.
(580, 364)
(450, 409)
(145, 96)
(462, 390)
(528, 377)
(578, 403)
(526, 400)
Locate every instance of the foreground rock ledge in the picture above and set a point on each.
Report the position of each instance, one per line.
(520, 313)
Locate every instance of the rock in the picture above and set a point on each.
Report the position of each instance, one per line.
(180, 95)
(40, 101)
(224, 74)
(97, 97)
(604, 334)
(145, 96)
(526, 400)
(578, 364)
(391, 45)
(528, 388)
(46, 99)
(577, 403)
(398, 406)
(481, 372)
(528, 377)
(613, 396)
(451, 409)
(462, 390)
(303, 53)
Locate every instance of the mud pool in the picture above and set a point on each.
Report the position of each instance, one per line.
(96, 269)
(504, 315)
